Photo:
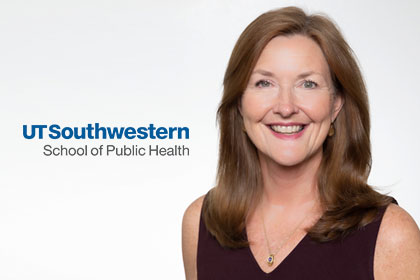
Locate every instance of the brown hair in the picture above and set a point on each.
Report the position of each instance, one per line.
(348, 201)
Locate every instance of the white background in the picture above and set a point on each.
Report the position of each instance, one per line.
(131, 63)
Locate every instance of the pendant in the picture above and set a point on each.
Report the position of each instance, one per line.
(270, 259)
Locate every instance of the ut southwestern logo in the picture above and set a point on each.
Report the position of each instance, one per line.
(96, 131)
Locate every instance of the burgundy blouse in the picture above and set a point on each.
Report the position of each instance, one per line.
(350, 258)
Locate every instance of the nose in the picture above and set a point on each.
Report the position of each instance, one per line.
(285, 104)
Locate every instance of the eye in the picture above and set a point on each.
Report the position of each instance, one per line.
(309, 84)
(262, 83)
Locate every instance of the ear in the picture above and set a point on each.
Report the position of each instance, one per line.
(338, 103)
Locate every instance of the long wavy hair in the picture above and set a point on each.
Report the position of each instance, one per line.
(348, 201)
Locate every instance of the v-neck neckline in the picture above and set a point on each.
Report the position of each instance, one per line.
(299, 244)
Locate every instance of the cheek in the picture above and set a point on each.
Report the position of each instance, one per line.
(318, 108)
(255, 107)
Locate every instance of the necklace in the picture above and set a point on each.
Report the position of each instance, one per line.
(270, 258)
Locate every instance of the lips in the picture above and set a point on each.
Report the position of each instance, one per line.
(288, 129)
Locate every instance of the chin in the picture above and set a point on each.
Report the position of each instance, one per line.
(288, 160)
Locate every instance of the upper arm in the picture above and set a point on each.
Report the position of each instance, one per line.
(397, 252)
(190, 230)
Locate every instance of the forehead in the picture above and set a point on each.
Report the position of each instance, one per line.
(292, 54)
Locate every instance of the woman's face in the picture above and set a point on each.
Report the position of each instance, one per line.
(288, 104)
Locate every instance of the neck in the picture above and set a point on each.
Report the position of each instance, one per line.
(290, 187)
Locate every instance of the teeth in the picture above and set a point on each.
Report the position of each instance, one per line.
(287, 129)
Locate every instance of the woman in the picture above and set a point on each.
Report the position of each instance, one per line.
(292, 199)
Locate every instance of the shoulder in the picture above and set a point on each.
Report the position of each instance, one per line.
(190, 230)
(397, 252)
(191, 219)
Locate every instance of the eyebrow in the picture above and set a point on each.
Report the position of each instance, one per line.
(306, 74)
(263, 72)
(269, 74)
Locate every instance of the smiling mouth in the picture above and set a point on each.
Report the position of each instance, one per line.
(287, 129)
